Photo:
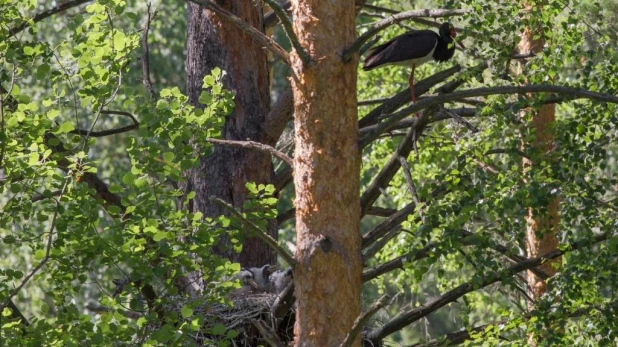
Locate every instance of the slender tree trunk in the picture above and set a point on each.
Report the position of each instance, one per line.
(214, 43)
(541, 230)
(326, 178)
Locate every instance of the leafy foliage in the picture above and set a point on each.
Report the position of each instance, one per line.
(80, 211)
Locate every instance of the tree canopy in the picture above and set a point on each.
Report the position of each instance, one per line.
(98, 132)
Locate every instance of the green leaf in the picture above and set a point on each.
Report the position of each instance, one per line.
(161, 235)
(218, 329)
(141, 322)
(6, 312)
(115, 188)
(33, 158)
(113, 209)
(65, 128)
(39, 254)
(52, 114)
(128, 178)
(168, 156)
(186, 311)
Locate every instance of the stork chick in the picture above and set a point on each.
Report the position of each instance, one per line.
(279, 280)
(247, 282)
(261, 275)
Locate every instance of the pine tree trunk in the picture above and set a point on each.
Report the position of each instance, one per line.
(541, 230)
(326, 175)
(212, 43)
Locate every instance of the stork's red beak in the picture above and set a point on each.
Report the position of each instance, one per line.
(453, 35)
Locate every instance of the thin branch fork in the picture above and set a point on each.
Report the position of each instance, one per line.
(255, 145)
(412, 315)
(256, 231)
(257, 35)
(385, 23)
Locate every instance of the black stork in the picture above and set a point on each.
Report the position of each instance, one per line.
(413, 49)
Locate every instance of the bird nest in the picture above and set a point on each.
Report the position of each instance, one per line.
(251, 321)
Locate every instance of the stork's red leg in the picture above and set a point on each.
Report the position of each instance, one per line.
(411, 82)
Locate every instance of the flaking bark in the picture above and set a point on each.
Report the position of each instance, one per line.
(326, 164)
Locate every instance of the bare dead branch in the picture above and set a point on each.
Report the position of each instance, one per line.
(362, 319)
(271, 18)
(573, 93)
(257, 35)
(380, 211)
(403, 97)
(460, 120)
(408, 175)
(397, 263)
(255, 145)
(47, 13)
(396, 18)
(391, 222)
(389, 170)
(256, 231)
(438, 117)
(267, 333)
(289, 31)
(410, 315)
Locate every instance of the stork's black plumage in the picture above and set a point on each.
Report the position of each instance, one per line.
(413, 49)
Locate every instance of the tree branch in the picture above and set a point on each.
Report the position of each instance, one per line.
(394, 118)
(403, 97)
(411, 315)
(362, 319)
(408, 175)
(267, 333)
(385, 23)
(271, 18)
(93, 181)
(289, 31)
(389, 170)
(255, 145)
(16, 313)
(438, 117)
(47, 13)
(257, 35)
(104, 133)
(145, 56)
(255, 230)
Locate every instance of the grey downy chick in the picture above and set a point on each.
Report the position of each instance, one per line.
(261, 275)
(247, 282)
(279, 280)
